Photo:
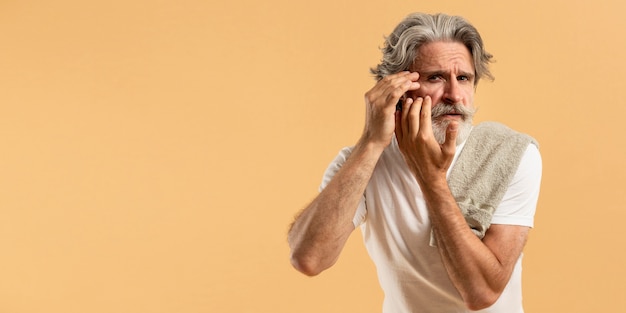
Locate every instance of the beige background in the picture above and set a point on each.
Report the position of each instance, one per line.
(153, 153)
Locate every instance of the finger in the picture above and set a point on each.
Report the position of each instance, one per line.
(414, 76)
(449, 146)
(398, 116)
(393, 94)
(404, 124)
(413, 117)
(381, 88)
(398, 85)
(395, 80)
(425, 116)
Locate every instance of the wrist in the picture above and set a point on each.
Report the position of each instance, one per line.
(436, 184)
(369, 146)
(436, 190)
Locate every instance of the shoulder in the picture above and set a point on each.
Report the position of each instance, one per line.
(499, 132)
(335, 165)
(519, 204)
(530, 166)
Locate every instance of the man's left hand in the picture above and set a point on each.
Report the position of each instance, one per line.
(428, 160)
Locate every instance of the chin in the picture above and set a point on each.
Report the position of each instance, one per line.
(439, 130)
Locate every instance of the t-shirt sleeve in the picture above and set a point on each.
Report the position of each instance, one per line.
(333, 168)
(519, 203)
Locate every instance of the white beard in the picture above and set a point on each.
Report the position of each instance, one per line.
(440, 124)
(440, 127)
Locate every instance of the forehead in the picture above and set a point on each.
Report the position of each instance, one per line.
(443, 55)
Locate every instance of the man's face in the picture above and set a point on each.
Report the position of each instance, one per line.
(447, 75)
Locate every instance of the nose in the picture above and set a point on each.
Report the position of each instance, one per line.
(452, 92)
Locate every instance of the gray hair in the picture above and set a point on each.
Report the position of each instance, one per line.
(417, 29)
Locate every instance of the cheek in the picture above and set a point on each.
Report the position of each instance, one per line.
(425, 91)
(435, 94)
(469, 95)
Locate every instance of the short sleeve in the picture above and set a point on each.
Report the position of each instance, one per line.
(332, 169)
(519, 203)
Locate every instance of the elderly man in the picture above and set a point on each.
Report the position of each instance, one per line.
(445, 207)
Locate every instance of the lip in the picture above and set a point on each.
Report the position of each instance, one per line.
(455, 116)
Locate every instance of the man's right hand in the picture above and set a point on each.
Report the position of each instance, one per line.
(321, 230)
(381, 103)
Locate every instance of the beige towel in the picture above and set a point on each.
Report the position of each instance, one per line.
(483, 171)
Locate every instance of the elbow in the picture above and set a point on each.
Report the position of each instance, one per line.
(306, 265)
(481, 301)
(478, 305)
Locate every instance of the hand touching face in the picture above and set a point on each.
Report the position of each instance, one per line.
(446, 72)
(380, 102)
(437, 115)
(447, 76)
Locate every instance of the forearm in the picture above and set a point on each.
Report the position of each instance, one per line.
(472, 266)
(319, 233)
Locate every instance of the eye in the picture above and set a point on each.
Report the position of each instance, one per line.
(435, 77)
(465, 78)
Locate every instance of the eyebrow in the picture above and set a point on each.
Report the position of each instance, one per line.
(444, 73)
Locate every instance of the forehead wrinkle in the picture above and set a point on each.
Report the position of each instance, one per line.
(444, 57)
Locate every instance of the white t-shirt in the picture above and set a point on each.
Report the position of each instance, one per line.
(396, 230)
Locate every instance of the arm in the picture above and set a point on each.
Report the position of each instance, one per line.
(478, 269)
(321, 230)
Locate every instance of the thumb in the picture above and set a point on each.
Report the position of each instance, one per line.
(449, 146)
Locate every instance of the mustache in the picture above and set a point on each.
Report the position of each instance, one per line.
(444, 108)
